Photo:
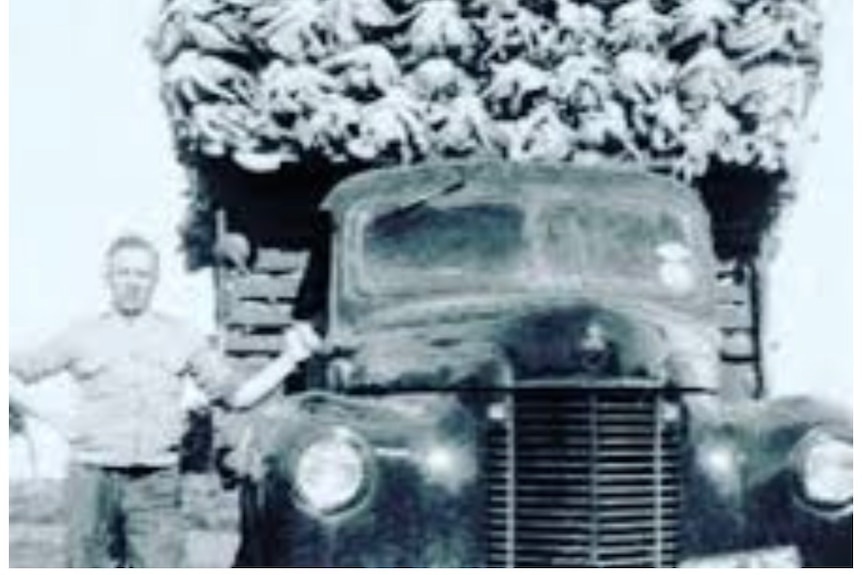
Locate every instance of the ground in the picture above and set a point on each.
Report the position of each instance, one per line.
(36, 523)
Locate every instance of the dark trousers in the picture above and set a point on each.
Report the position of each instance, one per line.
(124, 517)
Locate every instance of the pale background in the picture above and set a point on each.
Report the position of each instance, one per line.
(90, 156)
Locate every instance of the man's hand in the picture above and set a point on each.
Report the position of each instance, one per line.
(301, 341)
(230, 427)
(17, 418)
(23, 406)
(237, 445)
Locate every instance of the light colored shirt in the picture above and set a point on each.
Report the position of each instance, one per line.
(131, 376)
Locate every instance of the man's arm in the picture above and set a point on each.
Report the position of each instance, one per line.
(46, 361)
(301, 341)
(23, 404)
(18, 398)
(218, 381)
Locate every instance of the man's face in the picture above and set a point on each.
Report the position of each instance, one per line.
(132, 276)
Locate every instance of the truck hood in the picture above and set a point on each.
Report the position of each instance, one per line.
(499, 346)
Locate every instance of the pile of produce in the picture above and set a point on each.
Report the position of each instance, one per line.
(671, 84)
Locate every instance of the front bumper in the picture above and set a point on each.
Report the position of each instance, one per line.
(766, 558)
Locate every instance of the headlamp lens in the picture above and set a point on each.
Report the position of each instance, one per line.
(826, 470)
(331, 472)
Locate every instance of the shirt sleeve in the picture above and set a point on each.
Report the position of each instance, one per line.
(51, 358)
(210, 371)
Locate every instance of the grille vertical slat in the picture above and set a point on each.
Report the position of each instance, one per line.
(500, 481)
(581, 477)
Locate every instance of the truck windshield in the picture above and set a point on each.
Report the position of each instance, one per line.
(467, 249)
(444, 249)
(638, 246)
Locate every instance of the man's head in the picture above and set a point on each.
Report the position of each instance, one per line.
(132, 272)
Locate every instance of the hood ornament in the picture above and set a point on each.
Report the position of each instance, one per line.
(594, 350)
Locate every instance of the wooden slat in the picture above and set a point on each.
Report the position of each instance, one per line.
(738, 344)
(739, 379)
(239, 342)
(732, 268)
(258, 314)
(275, 260)
(269, 287)
(735, 316)
(730, 292)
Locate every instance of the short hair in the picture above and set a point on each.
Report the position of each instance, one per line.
(133, 241)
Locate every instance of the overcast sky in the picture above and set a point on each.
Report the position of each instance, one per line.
(810, 331)
(91, 156)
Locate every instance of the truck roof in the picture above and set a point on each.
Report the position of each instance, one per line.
(407, 184)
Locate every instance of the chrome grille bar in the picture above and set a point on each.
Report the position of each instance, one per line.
(583, 477)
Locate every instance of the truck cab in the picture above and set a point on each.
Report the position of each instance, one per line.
(523, 367)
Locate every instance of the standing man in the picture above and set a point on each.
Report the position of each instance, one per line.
(130, 363)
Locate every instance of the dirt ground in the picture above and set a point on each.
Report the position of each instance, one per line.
(36, 523)
(41, 545)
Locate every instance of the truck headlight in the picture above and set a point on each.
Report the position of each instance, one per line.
(332, 471)
(824, 467)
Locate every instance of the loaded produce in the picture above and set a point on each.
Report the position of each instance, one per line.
(676, 85)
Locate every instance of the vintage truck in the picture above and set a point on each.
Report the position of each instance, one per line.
(524, 368)
(528, 361)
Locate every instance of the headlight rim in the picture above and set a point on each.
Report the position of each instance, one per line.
(816, 437)
(368, 470)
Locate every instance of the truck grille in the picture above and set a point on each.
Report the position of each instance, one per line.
(583, 478)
